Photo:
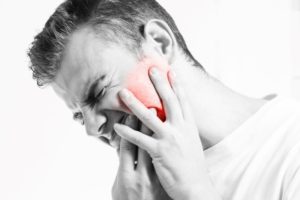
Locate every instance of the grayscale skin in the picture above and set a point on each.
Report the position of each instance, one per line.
(136, 177)
(215, 110)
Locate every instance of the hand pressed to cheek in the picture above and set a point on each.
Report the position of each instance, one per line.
(176, 107)
(169, 99)
(139, 83)
(175, 146)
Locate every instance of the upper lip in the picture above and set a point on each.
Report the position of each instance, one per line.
(101, 129)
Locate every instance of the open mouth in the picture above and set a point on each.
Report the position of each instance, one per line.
(113, 141)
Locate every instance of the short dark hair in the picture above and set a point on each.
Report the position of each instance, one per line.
(125, 18)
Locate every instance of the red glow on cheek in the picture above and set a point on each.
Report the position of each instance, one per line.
(139, 83)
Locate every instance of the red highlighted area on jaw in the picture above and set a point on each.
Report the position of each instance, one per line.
(139, 83)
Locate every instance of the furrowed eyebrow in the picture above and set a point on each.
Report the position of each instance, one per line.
(90, 97)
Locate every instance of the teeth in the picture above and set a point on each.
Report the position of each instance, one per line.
(124, 119)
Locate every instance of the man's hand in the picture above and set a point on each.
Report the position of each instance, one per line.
(175, 146)
(136, 178)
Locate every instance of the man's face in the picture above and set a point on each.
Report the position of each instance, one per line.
(89, 65)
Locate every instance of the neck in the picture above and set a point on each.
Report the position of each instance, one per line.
(217, 109)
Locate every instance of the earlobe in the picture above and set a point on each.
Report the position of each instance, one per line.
(159, 35)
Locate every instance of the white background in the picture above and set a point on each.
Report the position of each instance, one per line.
(252, 46)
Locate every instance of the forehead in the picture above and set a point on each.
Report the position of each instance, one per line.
(81, 54)
(87, 57)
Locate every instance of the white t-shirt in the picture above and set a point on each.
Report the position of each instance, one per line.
(261, 159)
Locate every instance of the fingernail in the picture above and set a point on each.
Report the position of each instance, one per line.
(124, 94)
(153, 71)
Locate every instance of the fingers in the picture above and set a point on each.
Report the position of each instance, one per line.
(144, 160)
(143, 141)
(181, 96)
(170, 102)
(139, 110)
(128, 151)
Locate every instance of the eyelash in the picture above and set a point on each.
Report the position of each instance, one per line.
(78, 115)
(98, 97)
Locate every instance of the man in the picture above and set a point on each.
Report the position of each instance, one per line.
(248, 149)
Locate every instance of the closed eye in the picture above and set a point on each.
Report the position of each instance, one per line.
(97, 98)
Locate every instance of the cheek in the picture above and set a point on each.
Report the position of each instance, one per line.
(139, 83)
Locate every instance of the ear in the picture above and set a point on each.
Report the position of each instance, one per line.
(158, 34)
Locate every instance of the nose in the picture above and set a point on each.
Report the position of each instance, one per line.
(95, 123)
